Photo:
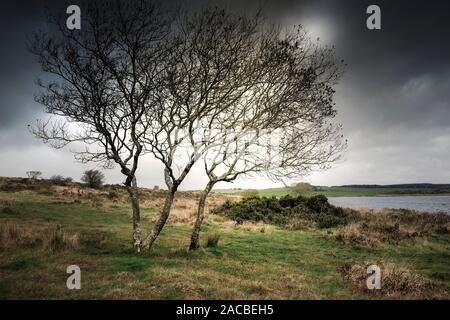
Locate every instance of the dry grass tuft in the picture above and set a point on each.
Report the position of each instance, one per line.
(184, 210)
(7, 202)
(248, 226)
(371, 227)
(396, 281)
(212, 240)
(8, 206)
(50, 238)
(177, 216)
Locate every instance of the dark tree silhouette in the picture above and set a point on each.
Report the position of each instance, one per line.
(93, 178)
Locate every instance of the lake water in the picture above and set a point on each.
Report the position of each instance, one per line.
(420, 203)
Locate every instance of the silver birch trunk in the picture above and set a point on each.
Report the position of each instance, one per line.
(200, 216)
(134, 195)
(148, 242)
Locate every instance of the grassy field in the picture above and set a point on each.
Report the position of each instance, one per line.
(251, 261)
(349, 191)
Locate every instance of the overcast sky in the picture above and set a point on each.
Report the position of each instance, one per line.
(393, 101)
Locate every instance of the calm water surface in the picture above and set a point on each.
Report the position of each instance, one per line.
(421, 203)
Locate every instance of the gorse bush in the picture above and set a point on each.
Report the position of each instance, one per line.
(264, 209)
(328, 221)
(318, 203)
(285, 210)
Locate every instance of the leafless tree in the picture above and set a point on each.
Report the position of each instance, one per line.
(93, 178)
(60, 180)
(281, 126)
(213, 62)
(34, 174)
(128, 84)
(100, 82)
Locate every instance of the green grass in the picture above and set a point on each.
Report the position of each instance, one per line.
(246, 264)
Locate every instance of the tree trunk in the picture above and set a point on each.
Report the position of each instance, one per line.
(148, 242)
(200, 215)
(133, 191)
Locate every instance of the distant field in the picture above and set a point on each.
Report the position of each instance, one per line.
(350, 191)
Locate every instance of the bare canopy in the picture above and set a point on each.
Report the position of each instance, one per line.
(280, 125)
(244, 96)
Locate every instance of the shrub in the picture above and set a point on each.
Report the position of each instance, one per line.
(318, 203)
(93, 178)
(227, 205)
(289, 201)
(287, 211)
(325, 221)
(256, 209)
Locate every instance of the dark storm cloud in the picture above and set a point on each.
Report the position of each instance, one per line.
(413, 38)
(394, 99)
(18, 21)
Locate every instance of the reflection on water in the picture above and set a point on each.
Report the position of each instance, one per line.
(420, 203)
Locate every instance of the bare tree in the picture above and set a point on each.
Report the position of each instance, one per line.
(34, 174)
(60, 180)
(215, 60)
(100, 82)
(301, 188)
(284, 131)
(93, 178)
(127, 84)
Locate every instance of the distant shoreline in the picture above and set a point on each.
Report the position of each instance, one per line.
(353, 191)
(396, 195)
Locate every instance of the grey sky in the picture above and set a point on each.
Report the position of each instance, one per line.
(393, 101)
